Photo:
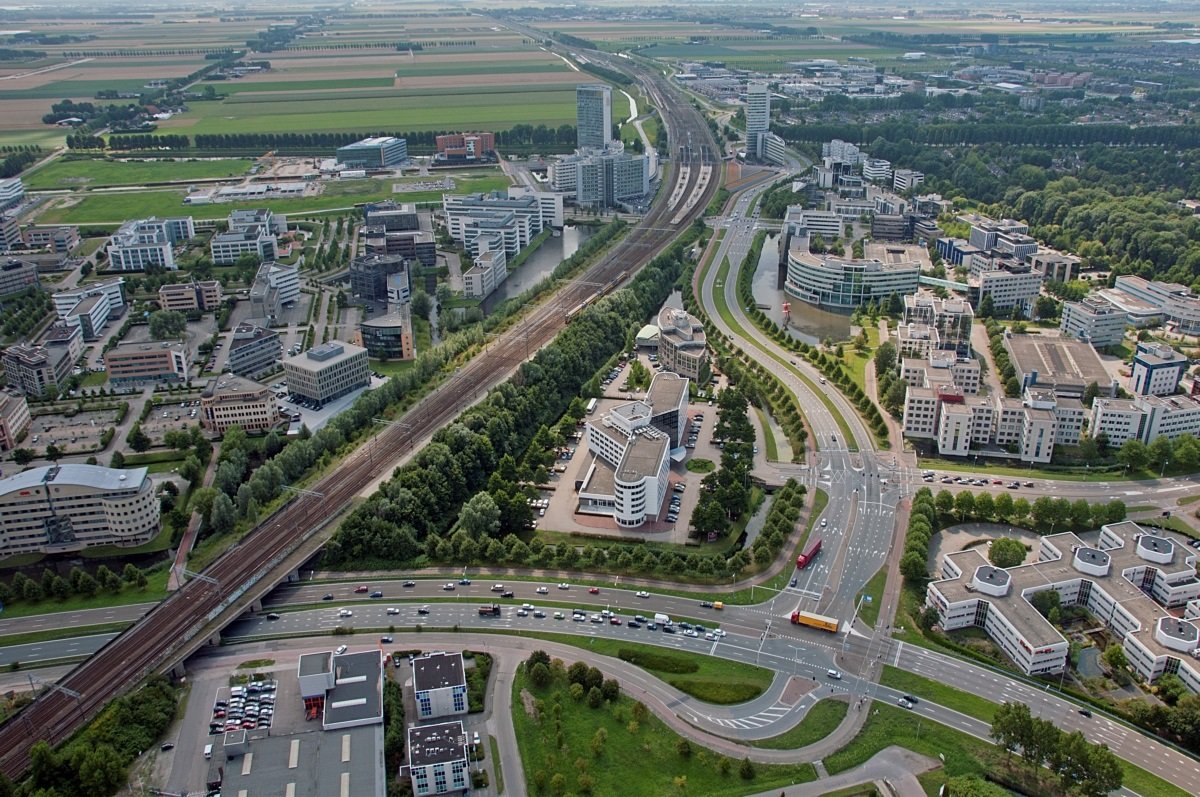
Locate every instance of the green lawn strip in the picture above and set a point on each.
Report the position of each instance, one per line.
(727, 317)
(1188, 499)
(94, 173)
(768, 435)
(156, 590)
(713, 680)
(495, 748)
(869, 610)
(750, 595)
(68, 632)
(391, 367)
(633, 760)
(159, 542)
(933, 463)
(889, 725)
(820, 721)
(928, 689)
(1148, 784)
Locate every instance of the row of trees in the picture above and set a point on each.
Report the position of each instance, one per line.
(973, 133)
(78, 582)
(16, 162)
(1089, 770)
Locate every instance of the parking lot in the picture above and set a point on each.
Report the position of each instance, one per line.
(75, 434)
(250, 707)
(309, 415)
(172, 415)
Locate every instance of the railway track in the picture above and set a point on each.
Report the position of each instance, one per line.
(153, 644)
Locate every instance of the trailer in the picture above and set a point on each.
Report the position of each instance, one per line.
(813, 620)
(805, 559)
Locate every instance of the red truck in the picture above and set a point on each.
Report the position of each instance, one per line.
(805, 559)
(491, 610)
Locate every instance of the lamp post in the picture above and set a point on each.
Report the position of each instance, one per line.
(1166, 462)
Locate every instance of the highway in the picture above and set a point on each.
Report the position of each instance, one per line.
(156, 642)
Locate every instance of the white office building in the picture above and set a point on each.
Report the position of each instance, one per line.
(437, 759)
(137, 245)
(1093, 320)
(906, 179)
(489, 268)
(758, 118)
(12, 191)
(113, 289)
(1145, 418)
(326, 372)
(1157, 370)
(1177, 303)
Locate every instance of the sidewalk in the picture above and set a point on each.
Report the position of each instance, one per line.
(893, 770)
(189, 537)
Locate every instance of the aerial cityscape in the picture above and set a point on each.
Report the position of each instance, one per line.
(601, 399)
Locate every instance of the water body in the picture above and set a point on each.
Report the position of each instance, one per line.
(809, 324)
(539, 265)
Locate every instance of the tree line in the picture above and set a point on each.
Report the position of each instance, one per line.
(1048, 135)
(1082, 768)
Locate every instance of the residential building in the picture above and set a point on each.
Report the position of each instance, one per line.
(36, 370)
(465, 148)
(229, 399)
(67, 508)
(1128, 580)
(369, 276)
(1054, 266)
(12, 192)
(275, 287)
(326, 372)
(90, 315)
(114, 289)
(147, 362)
(1145, 418)
(1063, 365)
(1157, 369)
(906, 179)
(1009, 284)
(593, 116)
(489, 268)
(1178, 304)
(389, 337)
(439, 685)
(60, 240)
(758, 118)
(380, 152)
(682, 346)
(17, 275)
(148, 242)
(14, 419)
(254, 350)
(191, 297)
(1093, 321)
(437, 758)
(256, 240)
(844, 284)
(631, 449)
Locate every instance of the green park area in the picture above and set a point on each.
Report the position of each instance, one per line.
(70, 173)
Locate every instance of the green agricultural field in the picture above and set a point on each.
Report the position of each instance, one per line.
(48, 138)
(93, 173)
(473, 68)
(238, 87)
(76, 89)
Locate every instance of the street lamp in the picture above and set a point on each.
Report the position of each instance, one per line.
(1166, 462)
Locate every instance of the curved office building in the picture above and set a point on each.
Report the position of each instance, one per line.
(843, 284)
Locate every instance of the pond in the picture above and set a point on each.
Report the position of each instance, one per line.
(538, 265)
(808, 323)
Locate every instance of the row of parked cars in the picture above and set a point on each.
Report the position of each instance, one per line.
(247, 708)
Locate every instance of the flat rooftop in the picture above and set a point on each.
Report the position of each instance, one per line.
(435, 744)
(357, 693)
(315, 763)
(667, 391)
(315, 663)
(438, 671)
(643, 455)
(1057, 360)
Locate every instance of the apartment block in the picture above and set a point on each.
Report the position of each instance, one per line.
(229, 399)
(439, 685)
(191, 297)
(1093, 321)
(14, 419)
(17, 275)
(137, 245)
(327, 372)
(254, 350)
(147, 362)
(1157, 370)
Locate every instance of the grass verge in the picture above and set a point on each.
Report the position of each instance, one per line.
(869, 611)
(955, 699)
(769, 443)
(888, 725)
(820, 721)
(820, 499)
(495, 748)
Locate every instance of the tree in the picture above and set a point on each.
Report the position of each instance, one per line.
(223, 516)
(53, 453)
(1046, 601)
(913, 567)
(1090, 393)
(611, 689)
(539, 676)
(1160, 451)
(480, 517)
(23, 456)
(138, 440)
(1114, 656)
(944, 502)
(1104, 773)
(1133, 454)
(885, 357)
(964, 505)
(118, 460)
(684, 748)
(1010, 723)
(1006, 552)
(167, 324)
(595, 697)
(746, 770)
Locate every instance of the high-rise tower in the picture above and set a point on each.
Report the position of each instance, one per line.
(593, 115)
(758, 118)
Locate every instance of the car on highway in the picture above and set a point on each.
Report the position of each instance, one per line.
(643, 594)
(345, 613)
(410, 583)
(165, 746)
(719, 632)
(564, 585)
(393, 610)
(423, 610)
(902, 703)
(340, 650)
(448, 586)
(792, 583)
(706, 604)
(651, 626)
(690, 632)
(559, 616)
(614, 620)
(1084, 712)
(377, 594)
(466, 582)
(522, 612)
(710, 636)
(912, 699)
(508, 593)
(272, 616)
(361, 589)
(387, 640)
(1028, 484)
(543, 590)
(593, 590)
(327, 597)
(997, 481)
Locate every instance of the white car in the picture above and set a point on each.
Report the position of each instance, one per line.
(543, 590)
(643, 594)
(345, 613)
(564, 585)
(690, 632)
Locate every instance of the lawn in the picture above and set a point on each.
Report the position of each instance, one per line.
(706, 678)
(561, 744)
(820, 721)
(159, 542)
(1070, 475)
(391, 367)
(869, 610)
(156, 590)
(856, 361)
(769, 444)
(100, 172)
(963, 702)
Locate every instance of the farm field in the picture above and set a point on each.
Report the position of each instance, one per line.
(92, 173)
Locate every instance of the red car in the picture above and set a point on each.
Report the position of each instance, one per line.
(593, 590)
(361, 589)
(614, 621)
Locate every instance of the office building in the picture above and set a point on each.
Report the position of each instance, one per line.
(191, 297)
(67, 508)
(517, 219)
(602, 178)
(256, 239)
(838, 151)
(276, 286)
(1138, 314)
(950, 318)
(1177, 303)
(326, 372)
(37, 370)
(551, 203)
(147, 362)
(1145, 418)
(682, 347)
(593, 116)
(14, 419)
(437, 758)
(1093, 321)
(369, 276)
(1006, 236)
(63, 337)
(12, 191)
(465, 148)
(631, 449)
(137, 245)
(415, 245)
(488, 269)
(825, 223)
(90, 315)
(273, 223)
(439, 685)
(933, 367)
(389, 337)
(114, 289)
(906, 179)
(844, 284)
(10, 232)
(1063, 365)
(758, 118)
(381, 152)
(877, 170)
(1157, 370)
(229, 399)
(395, 216)
(254, 350)
(1130, 580)
(1009, 284)
(1054, 266)
(17, 275)
(60, 240)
